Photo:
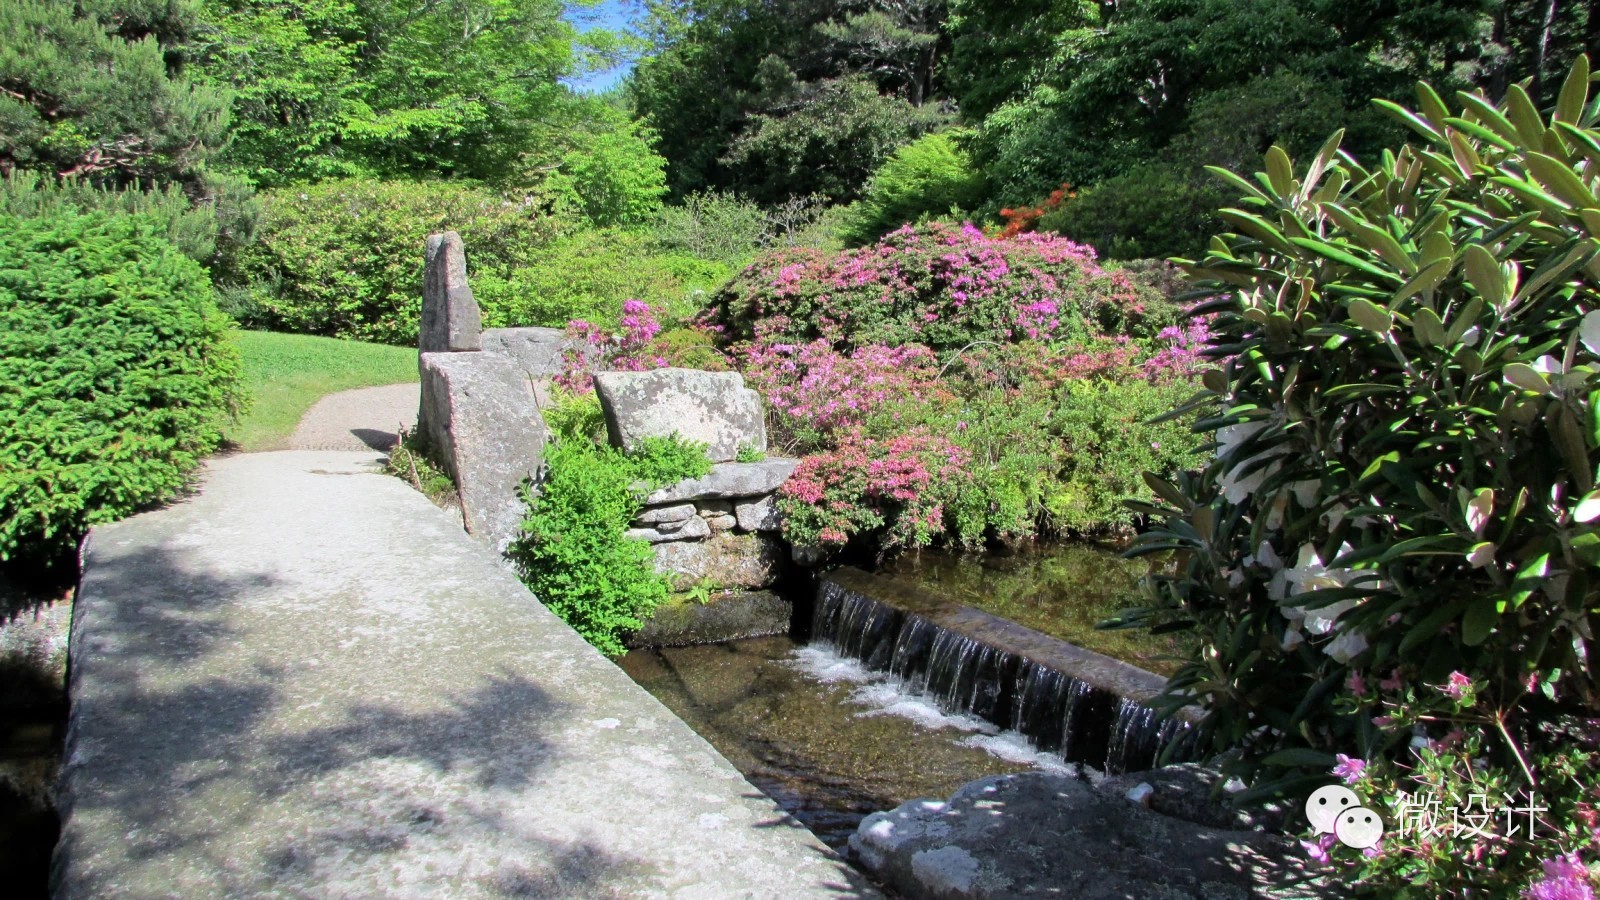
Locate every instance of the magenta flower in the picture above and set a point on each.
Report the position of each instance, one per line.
(1318, 849)
(1356, 685)
(1457, 686)
(1565, 878)
(1349, 769)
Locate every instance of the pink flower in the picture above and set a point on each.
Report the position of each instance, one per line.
(1393, 682)
(1356, 685)
(1350, 769)
(1565, 878)
(1457, 686)
(1318, 849)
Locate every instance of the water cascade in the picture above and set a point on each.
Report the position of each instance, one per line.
(1062, 697)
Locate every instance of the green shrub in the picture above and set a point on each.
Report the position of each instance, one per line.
(573, 553)
(590, 274)
(228, 217)
(1109, 441)
(930, 177)
(115, 374)
(344, 258)
(1392, 557)
(1152, 210)
(714, 225)
(611, 177)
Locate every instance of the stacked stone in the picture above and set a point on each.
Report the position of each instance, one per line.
(720, 528)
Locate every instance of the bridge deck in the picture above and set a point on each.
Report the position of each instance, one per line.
(305, 680)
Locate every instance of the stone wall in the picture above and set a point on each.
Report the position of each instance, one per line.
(481, 396)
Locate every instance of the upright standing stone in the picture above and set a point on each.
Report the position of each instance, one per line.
(485, 427)
(451, 322)
(711, 407)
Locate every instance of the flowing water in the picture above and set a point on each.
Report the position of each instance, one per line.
(827, 739)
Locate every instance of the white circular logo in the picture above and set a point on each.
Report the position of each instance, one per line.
(1326, 803)
(1359, 828)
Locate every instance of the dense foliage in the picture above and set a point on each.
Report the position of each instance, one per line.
(115, 375)
(1392, 556)
(344, 258)
(940, 286)
(946, 385)
(339, 88)
(794, 97)
(931, 177)
(573, 552)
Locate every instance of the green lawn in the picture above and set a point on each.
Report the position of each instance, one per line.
(286, 373)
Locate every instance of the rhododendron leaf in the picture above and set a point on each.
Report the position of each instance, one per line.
(1479, 620)
(1529, 578)
(1589, 331)
(1302, 757)
(1370, 316)
(1588, 508)
(1431, 625)
(1525, 377)
(1574, 92)
(1478, 509)
(1409, 118)
(1481, 554)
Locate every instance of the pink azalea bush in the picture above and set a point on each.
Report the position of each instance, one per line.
(592, 348)
(939, 286)
(863, 484)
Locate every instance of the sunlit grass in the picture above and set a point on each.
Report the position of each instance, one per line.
(286, 373)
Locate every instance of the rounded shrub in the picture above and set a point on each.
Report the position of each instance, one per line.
(930, 177)
(345, 258)
(940, 286)
(1391, 562)
(116, 374)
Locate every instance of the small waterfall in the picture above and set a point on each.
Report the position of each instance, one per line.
(1004, 682)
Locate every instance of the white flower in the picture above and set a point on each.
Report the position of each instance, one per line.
(1237, 486)
(1347, 646)
(1589, 331)
(1292, 638)
(1312, 574)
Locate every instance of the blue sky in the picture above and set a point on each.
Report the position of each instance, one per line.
(606, 14)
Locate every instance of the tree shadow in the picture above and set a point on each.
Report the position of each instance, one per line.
(183, 758)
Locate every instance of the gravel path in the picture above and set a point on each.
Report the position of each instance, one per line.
(362, 419)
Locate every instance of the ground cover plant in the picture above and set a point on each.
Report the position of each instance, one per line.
(116, 375)
(1389, 565)
(574, 553)
(284, 374)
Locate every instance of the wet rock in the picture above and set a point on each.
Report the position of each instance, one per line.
(726, 560)
(711, 407)
(483, 426)
(1044, 835)
(728, 480)
(745, 614)
(758, 515)
(1197, 793)
(451, 322)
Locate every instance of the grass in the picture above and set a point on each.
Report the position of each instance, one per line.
(287, 373)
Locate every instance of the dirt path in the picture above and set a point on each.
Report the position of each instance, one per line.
(362, 419)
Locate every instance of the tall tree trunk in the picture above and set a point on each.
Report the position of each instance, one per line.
(1542, 46)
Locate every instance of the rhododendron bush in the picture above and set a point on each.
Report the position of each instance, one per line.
(940, 287)
(993, 348)
(1390, 565)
